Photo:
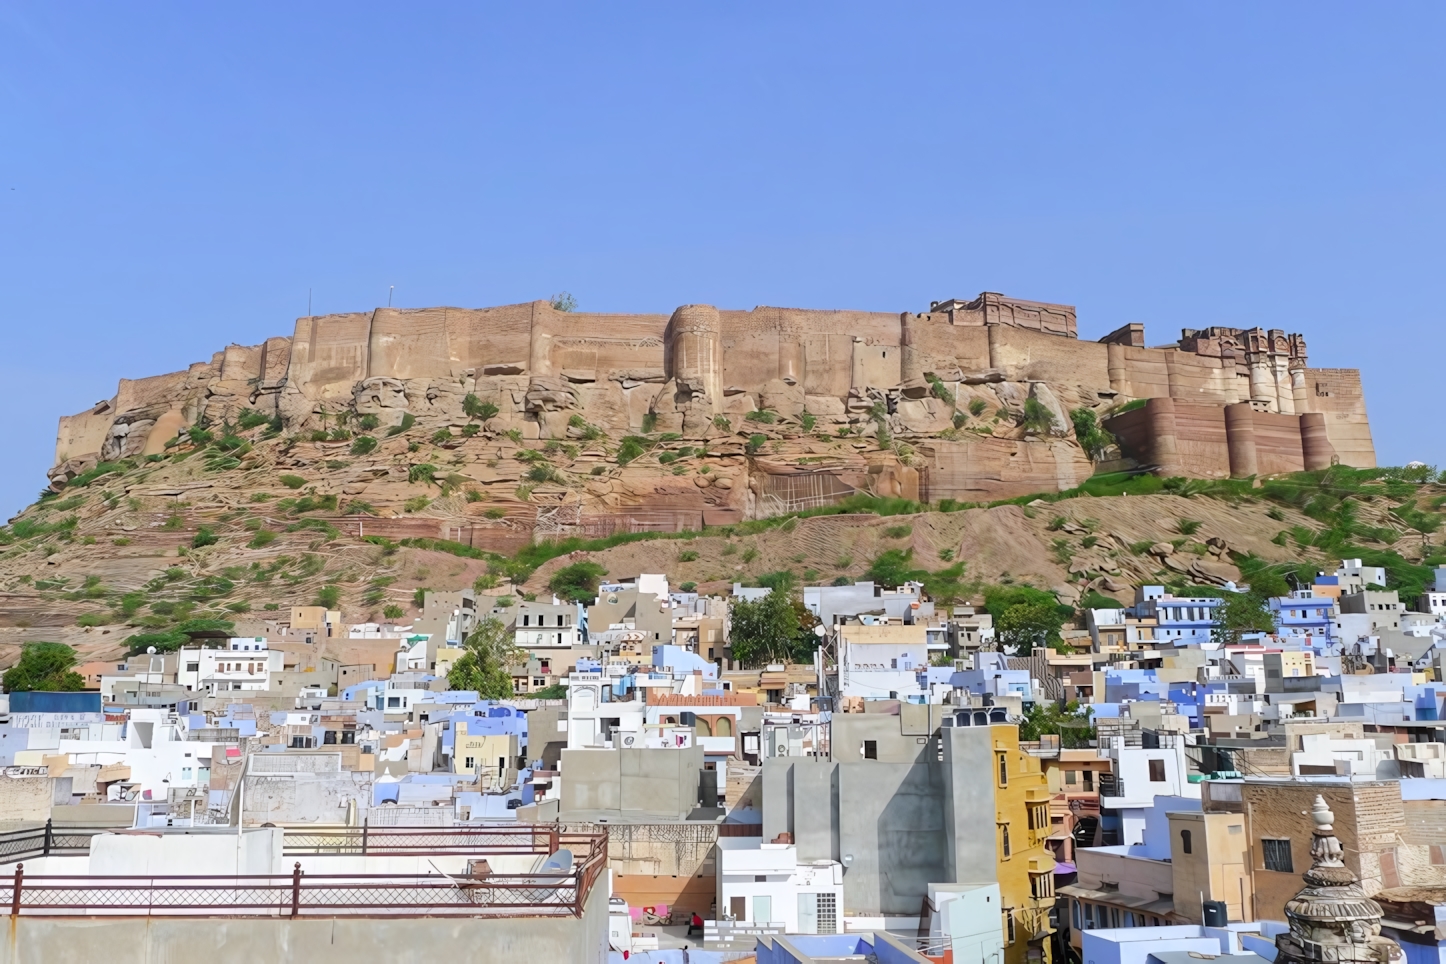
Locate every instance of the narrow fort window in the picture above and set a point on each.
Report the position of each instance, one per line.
(1185, 841)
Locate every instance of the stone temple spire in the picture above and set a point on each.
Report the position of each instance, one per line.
(1331, 919)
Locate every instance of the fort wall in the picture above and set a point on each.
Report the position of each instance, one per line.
(1222, 402)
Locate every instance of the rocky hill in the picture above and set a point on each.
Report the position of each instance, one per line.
(234, 523)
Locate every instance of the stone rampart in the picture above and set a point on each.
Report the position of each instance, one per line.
(953, 383)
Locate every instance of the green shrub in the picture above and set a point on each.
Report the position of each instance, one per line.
(424, 472)
(417, 504)
(898, 532)
(577, 582)
(1037, 417)
(939, 390)
(363, 445)
(442, 436)
(292, 481)
(419, 598)
(90, 619)
(205, 537)
(687, 587)
(667, 458)
(977, 407)
(470, 429)
(393, 611)
(755, 442)
(408, 420)
(368, 423)
(1092, 438)
(328, 596)
(251, 419)
(358, 507)
(749, 554)
(808, 421)
(687, 555)
(722, 422)
(474, 407)
(1188, 527)
(631, 448)
(763, 416)
(262, 538)
(496, 513)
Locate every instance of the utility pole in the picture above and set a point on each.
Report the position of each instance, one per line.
(390, 289)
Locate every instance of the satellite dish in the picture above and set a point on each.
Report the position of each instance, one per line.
(819, 631)
(150, 651)
(560, 862)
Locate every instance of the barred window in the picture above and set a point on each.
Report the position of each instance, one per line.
(1277, 855)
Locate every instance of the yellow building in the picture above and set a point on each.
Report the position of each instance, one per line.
(493, 757)
(1025, 863)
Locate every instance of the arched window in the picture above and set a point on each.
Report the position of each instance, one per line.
(1185, 841)
(723, 727)
(701, 727)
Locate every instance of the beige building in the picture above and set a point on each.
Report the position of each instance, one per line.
(492, 756)
(1209, 859)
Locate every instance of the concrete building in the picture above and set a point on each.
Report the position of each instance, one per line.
(899, 806)
(235, 897)
(547, 625)
(1382, 606)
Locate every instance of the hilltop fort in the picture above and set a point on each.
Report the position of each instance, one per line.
(793, 407)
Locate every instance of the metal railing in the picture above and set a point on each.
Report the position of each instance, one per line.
(46, 840)
(350, 895)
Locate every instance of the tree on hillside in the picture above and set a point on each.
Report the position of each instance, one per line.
(1240, 613)
(484, 666)
(1026, 619)
(776, 628)
(44, 666)
(577, 582)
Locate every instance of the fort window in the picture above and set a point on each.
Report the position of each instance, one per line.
(1003, 771)
(871, 749)
(1157, 771)
(1185, 842)
(1004, 839)
(1277, 855)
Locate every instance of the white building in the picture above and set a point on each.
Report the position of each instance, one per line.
(882, 662)
(546, 625)
(245, 664)
(1141, 774)
(964, 918)
(594, 721)
(766, 883)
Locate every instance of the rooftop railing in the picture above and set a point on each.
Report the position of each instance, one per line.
(298, 894)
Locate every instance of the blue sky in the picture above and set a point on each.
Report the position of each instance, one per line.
(174, 177)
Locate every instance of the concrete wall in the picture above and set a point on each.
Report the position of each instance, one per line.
(653, 782)
(35, 940)
(906, 819)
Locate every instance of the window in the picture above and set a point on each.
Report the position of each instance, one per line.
(871, 749)
(1075, 913)
(1157, 771)
(1089, 779)
(1089, 917)
(1004, 839)
(1071, 777)
(1277, 855)
(526, 620)
(470, 763)
(1009, 925)
(1041, 885)
(1003, 771)
(559, 620)
(1185, 842)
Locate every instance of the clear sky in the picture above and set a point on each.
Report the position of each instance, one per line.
(174, 177)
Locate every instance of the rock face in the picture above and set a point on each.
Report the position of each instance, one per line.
(797, 407)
